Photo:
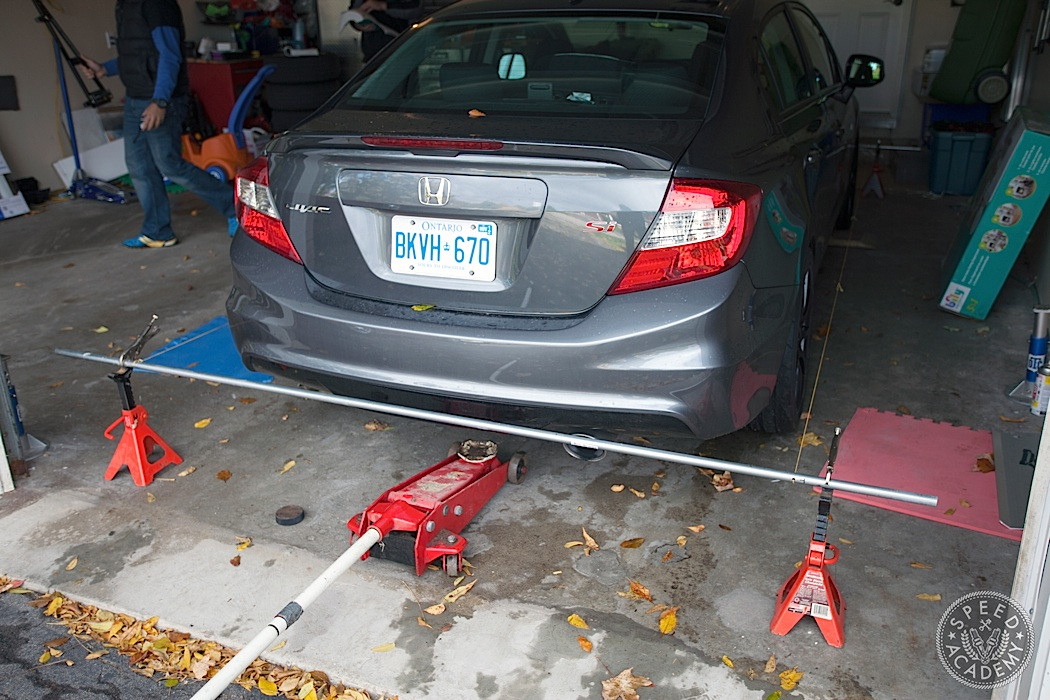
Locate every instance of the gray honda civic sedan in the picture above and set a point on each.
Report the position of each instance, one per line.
(600, 216)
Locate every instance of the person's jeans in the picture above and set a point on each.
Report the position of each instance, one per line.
(153, 155)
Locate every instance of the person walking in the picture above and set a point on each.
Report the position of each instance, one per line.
(397, 15)
(150, 64)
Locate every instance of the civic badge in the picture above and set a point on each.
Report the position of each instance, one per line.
(434, 191)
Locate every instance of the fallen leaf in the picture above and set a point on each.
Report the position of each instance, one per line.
(423, 623)
(279, 645)
(931, 597)
(187, 471)
(790, 678)
(589, 541)
(100, 329)
(389, 646)
(985, 463)
(920, 565)
(577, 621)
(475, 113)
(243, 543)
(902, 409)
(681, 540)
(771, 665)
(203, 423)
(224, 475)
(376, 425)
(56, 385)
(738, 490)
(657, 608)
(247, 400)
(72, 564)
(1006, 419)
(660, 473)
(56, 642)
(584, 643)
(638, 591)
(267, 687)
(705, 471)
(96, 655)
(574, 543)
(45, 657)
(617, 488)
(775, 695)
(623, 686)
(950, 511)
(423, 307)
(636, 492)
(696, 528)
(669, 620)
(456, 594)
(655, 487)
(964, 503)
(236, 561)
(723, 481)
(11, 585)
(633, 543)
(287, 465)
(54, 605)
(724, 527)
(642, 441)
(727, 661)
(150, 498)
(668, 556)
(435, 609)
(810, 439)
(843, 540)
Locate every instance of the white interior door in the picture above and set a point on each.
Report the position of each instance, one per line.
(876, 27)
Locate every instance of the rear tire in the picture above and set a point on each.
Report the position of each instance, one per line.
(784, 411)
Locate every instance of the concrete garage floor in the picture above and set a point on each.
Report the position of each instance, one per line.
(63, 275)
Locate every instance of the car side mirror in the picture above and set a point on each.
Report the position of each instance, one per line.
(864, 71)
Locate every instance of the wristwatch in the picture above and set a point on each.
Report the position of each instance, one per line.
(163, 104)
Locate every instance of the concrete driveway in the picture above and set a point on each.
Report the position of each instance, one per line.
(165, 550)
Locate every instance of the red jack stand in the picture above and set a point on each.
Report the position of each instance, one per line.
(810, 590)
(140, 448)
(420, 519)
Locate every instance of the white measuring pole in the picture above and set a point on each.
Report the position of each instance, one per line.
(287, 617)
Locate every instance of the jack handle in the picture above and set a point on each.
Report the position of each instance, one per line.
(134, 351)
(95, 98)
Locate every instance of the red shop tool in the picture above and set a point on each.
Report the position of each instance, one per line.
(420, 519)
(810, 590)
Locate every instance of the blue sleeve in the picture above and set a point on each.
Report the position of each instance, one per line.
(166, 40)
(110, 66)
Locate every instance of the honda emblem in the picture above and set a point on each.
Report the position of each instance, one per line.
(434, 191)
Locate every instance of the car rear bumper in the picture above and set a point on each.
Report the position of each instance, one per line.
(688, 359)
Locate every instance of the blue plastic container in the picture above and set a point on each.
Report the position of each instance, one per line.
(957, 161)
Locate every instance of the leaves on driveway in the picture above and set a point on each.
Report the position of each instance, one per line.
(577, 621)
(202, 423)
(669, 620)
(633, 543)
(723, 481)
(457, 593)
(584, 643)
(624, 686)
(375, 425)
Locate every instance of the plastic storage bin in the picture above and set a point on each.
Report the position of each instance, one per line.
(957, 161)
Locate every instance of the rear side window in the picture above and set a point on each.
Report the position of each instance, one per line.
(786, 64)
(825, 72)
(572, 66)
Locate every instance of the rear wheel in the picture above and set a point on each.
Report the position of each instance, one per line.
(785, 405)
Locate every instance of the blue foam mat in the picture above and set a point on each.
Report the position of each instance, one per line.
(208, 349)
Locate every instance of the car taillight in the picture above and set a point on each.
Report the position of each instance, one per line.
(703, 228)
(257, 212)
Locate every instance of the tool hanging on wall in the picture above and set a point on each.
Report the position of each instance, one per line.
(811, 590)
(81, 186)
(140, 448)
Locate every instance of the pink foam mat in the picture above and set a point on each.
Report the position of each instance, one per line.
(920, 455)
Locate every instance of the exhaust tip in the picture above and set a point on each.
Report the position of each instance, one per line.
(587, 454)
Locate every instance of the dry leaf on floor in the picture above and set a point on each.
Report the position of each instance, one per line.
(723, 481)
(920, 565)
(243, 543)
(633, 543)
(279, 645)
(456, 594)
(668, 556)
(475, 113)
(655, 487)
(985, 463)
(267, 687)
(950, 511)
(642, 441)
(96, 655)
(72, 564)
(376, 425)
(771, 665)
(435, 609)
(247, 400)
(636, 492)
(724, 527)
(150, 497)
(187, 471)
(617, 488)
(287, 465)
(589, 541)
(624, 685)
(423, 623)
(389, 646)
(636, 592)
(669, 620)
(696, 528)
(681, 540)
(584, 643)
(10, 584)
(727, 661)
(202, 423)
(789, 679)
(224, 475)
(964, 503)
(810, 439)
(843, 540)
(903, 410)
(577, 621)
(236, 561)
(100, 329)
(1007, 419)
(931, 597)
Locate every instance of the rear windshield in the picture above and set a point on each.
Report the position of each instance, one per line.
(566, 66)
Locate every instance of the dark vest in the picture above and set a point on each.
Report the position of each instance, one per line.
(137, 55)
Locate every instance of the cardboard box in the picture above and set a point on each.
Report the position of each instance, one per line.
(105, 162)
(1008, 201)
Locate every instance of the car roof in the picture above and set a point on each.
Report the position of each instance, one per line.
(707, 7)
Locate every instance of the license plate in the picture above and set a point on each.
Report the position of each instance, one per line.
(462, 249)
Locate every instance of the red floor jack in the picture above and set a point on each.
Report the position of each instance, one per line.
(140, 448)
(421, 517)
(810, 590)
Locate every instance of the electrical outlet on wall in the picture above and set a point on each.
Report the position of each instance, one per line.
(111, 41)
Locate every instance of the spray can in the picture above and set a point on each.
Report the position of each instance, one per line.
(1037, 346)
(1041, 395)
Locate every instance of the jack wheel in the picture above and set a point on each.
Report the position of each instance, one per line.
(516, 468)
(451, 565)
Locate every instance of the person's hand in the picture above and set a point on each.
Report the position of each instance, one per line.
(91, 68)
(371, 6)
(152, 117)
